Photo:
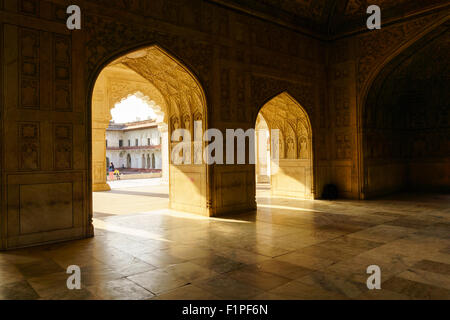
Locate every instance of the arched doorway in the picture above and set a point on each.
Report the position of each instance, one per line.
(405, 121)
(129, 161)
(262, 151)
(285, 129)
(182, 102)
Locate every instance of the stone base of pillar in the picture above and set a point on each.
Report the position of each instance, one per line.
(165, 177)
(163, 128)
(90, 231)
(96, 187)
(262, 179)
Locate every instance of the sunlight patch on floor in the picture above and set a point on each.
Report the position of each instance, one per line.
(193, 216)
(102, 225)
(272, 206)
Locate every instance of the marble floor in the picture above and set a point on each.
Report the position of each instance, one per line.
(287, 249)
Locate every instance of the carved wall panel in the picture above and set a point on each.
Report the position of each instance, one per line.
(242, 112)
(29, 7)
(63, 146)
(193, 178)
(343, 146)
(29, 146)
(234, 189)
(342, 177)
(342, 107)
(29, 46)
(60, 193)
(55, 214)
(39, 84)
(337, 162)
(62, 73)
(59, 13)
(227, 112)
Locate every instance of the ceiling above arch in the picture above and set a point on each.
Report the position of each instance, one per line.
(117, 82)
(123, 82)
(329, 17)
(284, 113)
(413, 90)
(180, 89)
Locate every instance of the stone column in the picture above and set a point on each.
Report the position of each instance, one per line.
(100, 121)
(99, 156)
(262, 175)
(163, 129)
(257, 161)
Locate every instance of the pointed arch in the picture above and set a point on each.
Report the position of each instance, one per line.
(372, 82)
(169, 75)
(295, 175)
(184, 100)
(381, 122)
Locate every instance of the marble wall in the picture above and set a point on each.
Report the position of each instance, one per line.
(407, 123)
(239, 61)
(353, 64)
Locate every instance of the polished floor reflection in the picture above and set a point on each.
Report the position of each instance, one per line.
(288, 249)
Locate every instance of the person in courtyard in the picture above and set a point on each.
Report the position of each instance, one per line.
(117, 174)
(111, 171)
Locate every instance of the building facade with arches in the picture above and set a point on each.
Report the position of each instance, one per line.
(135, 145)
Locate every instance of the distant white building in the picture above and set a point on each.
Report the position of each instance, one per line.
(135, 145)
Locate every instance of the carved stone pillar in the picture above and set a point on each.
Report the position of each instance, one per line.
(100, 122)
(257, 161)
(99, 156)
(262, 174)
